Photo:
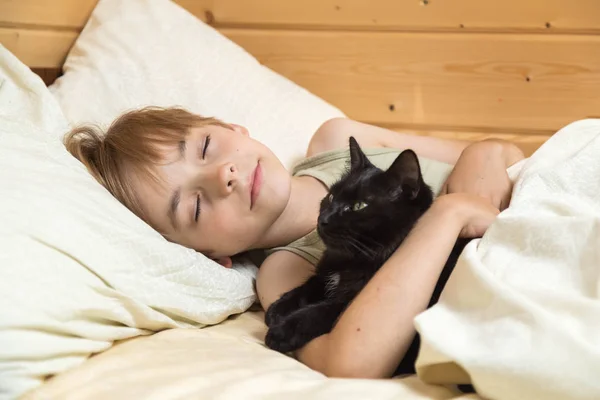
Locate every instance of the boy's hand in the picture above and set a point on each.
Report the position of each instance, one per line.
(473, 214)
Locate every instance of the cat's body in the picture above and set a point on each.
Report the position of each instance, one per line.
(363, 220)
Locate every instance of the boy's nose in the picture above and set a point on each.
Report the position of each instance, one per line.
(227, 178)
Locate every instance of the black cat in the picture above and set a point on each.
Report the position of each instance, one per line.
(365, 217)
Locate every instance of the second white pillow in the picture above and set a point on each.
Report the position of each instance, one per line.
(153, 52)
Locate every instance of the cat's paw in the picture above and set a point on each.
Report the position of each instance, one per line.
(285, 336)
(302, 326)
(287, 304)
(271, 315)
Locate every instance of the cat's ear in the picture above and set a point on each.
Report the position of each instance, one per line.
(358, 159)
(406, 173)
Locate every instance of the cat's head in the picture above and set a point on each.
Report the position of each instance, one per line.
(368, 209)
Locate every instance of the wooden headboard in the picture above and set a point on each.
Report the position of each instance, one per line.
(515, 69)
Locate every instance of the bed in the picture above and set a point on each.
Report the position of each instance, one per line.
(450, 69)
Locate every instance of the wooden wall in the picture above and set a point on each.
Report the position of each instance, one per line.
(516, 69)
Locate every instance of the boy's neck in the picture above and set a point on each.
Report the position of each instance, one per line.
(300, 215)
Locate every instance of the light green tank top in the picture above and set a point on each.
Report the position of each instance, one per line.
(330, 166)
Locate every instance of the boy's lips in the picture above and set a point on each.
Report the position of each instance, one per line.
(255, 184)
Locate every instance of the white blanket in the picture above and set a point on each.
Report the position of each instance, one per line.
(521, 314)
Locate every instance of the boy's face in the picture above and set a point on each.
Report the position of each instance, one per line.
(219, 191)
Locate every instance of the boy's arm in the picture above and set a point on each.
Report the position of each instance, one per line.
(480, 167)
(281, 272)
(334, 134)
(373, 334)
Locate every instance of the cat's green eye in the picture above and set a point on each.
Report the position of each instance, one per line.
(359, 206)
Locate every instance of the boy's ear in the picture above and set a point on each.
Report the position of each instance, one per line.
(240, 129)
(224, 261)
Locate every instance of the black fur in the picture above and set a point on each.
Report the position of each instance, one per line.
(358, 239)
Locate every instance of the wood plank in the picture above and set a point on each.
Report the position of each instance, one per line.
(512, 82)
(48, 75)
(483, 87)
(469, 15)
(38, 48)
(62, 14)
(527, 143)
(541, 15)
(71, 14)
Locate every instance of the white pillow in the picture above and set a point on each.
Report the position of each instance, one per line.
(153, 52)
(77, 269)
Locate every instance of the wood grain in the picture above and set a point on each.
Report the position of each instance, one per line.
(528, 143)
(507, 15)
(537, 83)
(468, 69)
(48, 75)
(480, 82)
(65, 14)
(470, 15)
(38, 48)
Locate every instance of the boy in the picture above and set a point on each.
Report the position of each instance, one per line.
(207, 185)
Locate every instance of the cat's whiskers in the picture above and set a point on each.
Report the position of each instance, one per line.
(366, 245)
(373, 244)
(359, 246)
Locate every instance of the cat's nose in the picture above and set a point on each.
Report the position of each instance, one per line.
(323, 220)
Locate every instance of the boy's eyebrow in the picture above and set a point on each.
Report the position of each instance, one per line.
(173, 204)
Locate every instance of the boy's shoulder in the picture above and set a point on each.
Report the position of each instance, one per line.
(329, 166)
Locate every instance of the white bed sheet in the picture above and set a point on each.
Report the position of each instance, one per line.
(226, 361)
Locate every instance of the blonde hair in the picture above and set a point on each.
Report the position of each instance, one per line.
(132, 143)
